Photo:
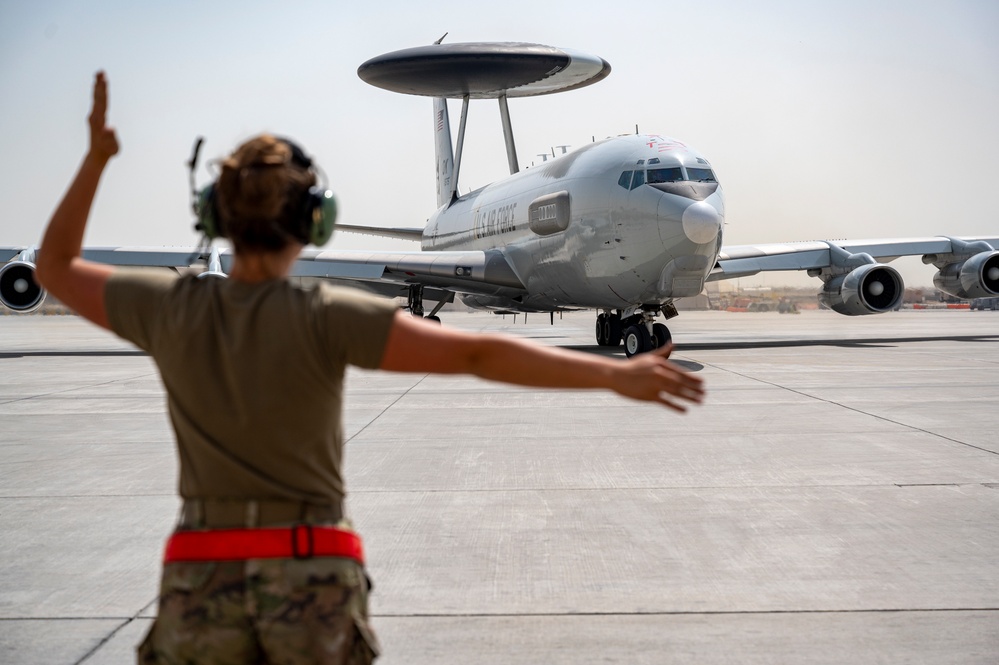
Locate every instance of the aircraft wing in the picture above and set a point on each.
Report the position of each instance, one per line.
(388, 273)
(744, 260)
(484, 272)
(168, 257)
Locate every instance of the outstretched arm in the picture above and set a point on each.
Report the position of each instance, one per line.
(417, 346)
(78, 283)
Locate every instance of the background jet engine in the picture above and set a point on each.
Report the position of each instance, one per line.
(18, 289)
(870, 289)
(978, 277)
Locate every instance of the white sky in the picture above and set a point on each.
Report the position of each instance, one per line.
(822, 119)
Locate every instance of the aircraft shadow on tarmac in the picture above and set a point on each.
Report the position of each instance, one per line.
(869, 342)
(71, 354)
(872, 342)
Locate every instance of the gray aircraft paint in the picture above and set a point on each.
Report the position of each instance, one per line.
(620, 247)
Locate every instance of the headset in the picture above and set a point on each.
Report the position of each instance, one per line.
(319, 208)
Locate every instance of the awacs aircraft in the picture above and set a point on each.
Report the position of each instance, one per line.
(624, 226)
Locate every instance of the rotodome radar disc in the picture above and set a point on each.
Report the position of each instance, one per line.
(483, 70)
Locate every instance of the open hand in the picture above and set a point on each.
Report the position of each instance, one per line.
(103, 142)
(652, 377)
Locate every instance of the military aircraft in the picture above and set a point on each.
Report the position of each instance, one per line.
(624, 226)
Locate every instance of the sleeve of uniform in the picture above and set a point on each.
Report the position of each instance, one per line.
(134, 300)
(355, 325)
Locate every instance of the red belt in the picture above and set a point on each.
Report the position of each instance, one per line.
(302, 541)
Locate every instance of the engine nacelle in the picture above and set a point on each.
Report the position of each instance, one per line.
(494, 303)
(978, 277)
(870, 289)
(18, 289)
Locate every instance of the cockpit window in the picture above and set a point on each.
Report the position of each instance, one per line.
(625, 180)
(673, 174)
(639, 179)
(700, 175)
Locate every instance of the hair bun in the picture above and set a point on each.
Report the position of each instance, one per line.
(260, 194)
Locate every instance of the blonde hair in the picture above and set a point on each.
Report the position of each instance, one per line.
(261, 194)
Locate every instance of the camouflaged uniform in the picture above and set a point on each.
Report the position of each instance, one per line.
(265, 610)
(254, 381)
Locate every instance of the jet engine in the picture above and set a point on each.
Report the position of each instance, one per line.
(497, 304)
(873, 288)
(977, 277)
(18, 289)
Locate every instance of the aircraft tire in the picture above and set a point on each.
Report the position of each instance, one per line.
(434, 319)
(613, 330)
(636, 340)
(662, 335)
(601, 329)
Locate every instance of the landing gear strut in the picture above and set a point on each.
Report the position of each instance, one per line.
(415, 300)
(415, 304)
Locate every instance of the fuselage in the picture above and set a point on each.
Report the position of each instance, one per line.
(627, 221)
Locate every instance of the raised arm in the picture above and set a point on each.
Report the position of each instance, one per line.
(417, 346)
(79, 284)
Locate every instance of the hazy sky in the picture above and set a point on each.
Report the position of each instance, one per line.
(823, 120)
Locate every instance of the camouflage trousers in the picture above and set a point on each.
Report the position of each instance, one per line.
(262, 611)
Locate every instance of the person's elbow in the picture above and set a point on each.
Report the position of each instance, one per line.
(43, 270)
(53, 272)
(48, 270)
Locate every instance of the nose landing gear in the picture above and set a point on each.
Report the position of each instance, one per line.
(639, 331)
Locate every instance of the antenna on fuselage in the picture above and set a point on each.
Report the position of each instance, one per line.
(441, 39)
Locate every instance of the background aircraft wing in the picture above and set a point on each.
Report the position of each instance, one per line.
(743, 260)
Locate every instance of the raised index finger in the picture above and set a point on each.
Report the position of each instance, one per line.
(99, 111)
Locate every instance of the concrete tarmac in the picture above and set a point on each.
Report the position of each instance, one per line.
(835, 500)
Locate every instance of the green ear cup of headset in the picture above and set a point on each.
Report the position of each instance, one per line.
(207, 223)
(323, 216)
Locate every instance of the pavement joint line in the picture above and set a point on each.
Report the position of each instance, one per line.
(490, 615)
(86, 496)
(852, 408)
(383, 411)
(107, 638)
(672, 488)
(518, 615)
(57, 393)
(642, 488)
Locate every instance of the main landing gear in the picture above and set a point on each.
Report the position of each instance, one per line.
(639, 331)
(415, 304)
